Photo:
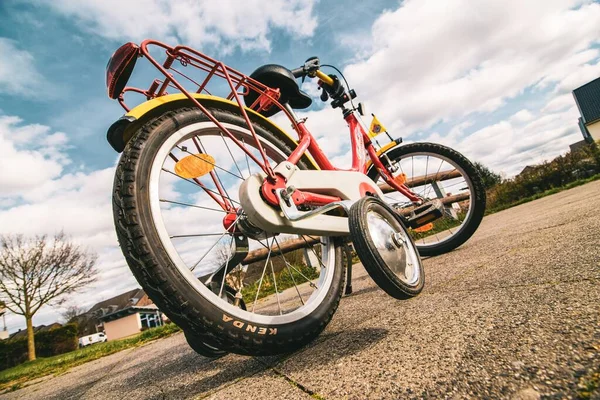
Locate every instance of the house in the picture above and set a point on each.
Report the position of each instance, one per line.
(587, 98)
(126, 314)
(36, 329)
(527, 170)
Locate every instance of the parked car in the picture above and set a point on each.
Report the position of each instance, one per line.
(91, 339)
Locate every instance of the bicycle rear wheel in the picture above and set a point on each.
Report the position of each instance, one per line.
(182, 238)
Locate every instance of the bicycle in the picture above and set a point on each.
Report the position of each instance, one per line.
(235, 230)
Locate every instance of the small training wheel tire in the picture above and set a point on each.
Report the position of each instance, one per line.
(385, 248)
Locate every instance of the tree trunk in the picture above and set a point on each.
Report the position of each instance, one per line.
(30, 340)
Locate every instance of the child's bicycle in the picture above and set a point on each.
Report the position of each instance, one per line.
(235, 230)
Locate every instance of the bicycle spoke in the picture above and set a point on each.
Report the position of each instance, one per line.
(294, 268)
(287, 265)
(435, 176)
(208, 162)
(203, 187)
(262, 277)
(229, 150)
(276, 291)
(311, 249)
(226, 265)
(191, 205)
(198, 235)
(426, 169)
(213, 174)
(205, 247)
(247, 160)
(214, 244)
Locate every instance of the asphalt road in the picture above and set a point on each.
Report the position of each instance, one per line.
(514, 313)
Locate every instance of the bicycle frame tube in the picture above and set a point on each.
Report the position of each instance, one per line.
(360, 142)
(308, 143)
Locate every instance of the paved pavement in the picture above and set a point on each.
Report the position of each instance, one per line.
(514, 313)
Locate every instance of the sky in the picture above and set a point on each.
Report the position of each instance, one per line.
(492, 81)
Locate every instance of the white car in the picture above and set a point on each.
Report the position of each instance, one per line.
(91, 339)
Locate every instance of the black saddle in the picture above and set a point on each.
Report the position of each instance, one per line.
(278, 77)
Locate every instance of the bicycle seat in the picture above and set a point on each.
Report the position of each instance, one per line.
(276, 76)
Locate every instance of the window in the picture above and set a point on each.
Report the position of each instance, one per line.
(150, 320)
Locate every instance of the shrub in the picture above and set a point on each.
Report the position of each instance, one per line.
(548, 175)
(48, 343)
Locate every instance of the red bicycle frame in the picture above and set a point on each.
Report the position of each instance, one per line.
(268, 97)
(360, 141)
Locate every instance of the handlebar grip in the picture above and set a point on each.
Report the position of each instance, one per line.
(298, 72)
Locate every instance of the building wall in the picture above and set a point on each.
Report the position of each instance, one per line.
(594, 130)
(3, 335)
(122, 327)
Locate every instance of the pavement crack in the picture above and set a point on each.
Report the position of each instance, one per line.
(298, 385)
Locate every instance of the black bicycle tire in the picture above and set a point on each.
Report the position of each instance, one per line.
(150, 264)
(370, 259)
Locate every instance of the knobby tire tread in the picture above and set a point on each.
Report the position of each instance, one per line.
(142, 260)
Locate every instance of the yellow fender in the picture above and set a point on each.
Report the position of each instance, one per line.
(121, 131)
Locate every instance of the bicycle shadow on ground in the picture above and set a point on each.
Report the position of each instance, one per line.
(332, 347)
(185, 375)
(200, 375)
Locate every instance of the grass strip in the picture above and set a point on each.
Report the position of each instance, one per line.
(13, 378)
(549, 192)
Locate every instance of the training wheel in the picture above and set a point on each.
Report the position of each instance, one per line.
(385, 248)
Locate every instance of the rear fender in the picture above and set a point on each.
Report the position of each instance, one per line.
(122, 130)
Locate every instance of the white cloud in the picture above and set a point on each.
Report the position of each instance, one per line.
(456, 63)
(522, 116)
(18, 75)
(31, 156)
(38, 196)
(226, 23)
(441, 61)
(508, 146)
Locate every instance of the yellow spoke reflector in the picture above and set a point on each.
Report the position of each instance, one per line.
(400, 179)
(424, 228)
(194, 166)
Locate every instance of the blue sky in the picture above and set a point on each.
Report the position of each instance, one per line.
(493, 81)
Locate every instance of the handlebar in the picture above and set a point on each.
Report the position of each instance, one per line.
(299, 72)
(331, 85)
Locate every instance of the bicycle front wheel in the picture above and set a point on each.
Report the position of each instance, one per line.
(436, 172)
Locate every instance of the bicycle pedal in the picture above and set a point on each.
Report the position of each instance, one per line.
(425, 214)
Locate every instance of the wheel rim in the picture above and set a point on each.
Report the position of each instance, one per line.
(394, 247)
(292, 303)
(416, 165)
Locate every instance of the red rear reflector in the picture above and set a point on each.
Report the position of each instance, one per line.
(119, 68)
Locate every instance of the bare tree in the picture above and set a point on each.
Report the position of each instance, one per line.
(40, 270)
(71, 312)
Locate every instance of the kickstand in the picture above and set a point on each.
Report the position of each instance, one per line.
(349, 280)
(348, 254)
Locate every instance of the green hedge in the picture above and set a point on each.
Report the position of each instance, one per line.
(48, 343)
(549, 175)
